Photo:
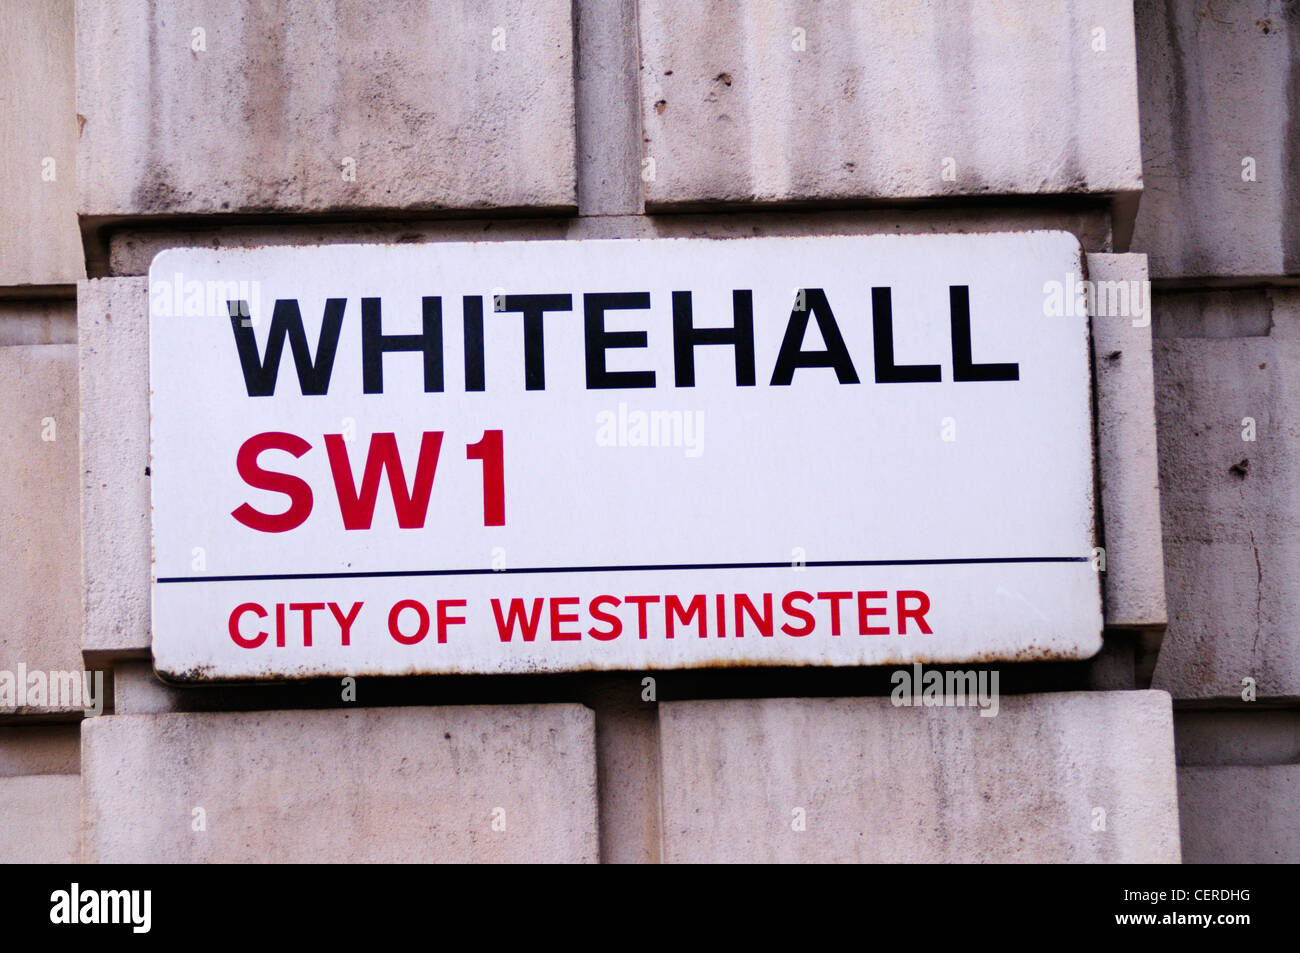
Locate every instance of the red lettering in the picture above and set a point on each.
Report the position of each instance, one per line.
(306, 608)
(673, 606)
(746, 607)
(345, 622)
(490, 449)
(834, 598)
(420, 611)
(918, 613)
(358, 508)
(614, 622)
(640, 602)
(527, 624)
(558, 617)
(242, 642)
(807, 617)
(445, 620)
(297, 490)
(865, 612)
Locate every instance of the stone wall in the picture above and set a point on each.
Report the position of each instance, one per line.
(171, 123)
(1221, 155)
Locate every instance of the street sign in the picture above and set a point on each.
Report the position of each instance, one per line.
(637, 454)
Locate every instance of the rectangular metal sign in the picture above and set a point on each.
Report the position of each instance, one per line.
(638, 454)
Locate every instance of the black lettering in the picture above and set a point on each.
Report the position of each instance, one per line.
(882, 332)
(474, 372)
(598, 340)
(687, 337)
(533, 307)
(792, 356)
(375, 344)
(962, 367)
(260, 374)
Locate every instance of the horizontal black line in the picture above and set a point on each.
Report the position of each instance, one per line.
(668, 567)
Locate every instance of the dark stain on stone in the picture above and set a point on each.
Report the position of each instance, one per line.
(1240, 469)
(1291, 148)
(1176, 90)
(158, 193)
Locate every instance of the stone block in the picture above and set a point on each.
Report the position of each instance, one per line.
(1220, 158)
(114, 359)
(1228, 422)
(1134, 583)
(369, 785)
(1254, 736)
(801, 101)
(40, 749)
(869, 782)
(40, 819)
(1240, 814)
(41, 321)
(40, 243)
(196, 108)
(40, 539)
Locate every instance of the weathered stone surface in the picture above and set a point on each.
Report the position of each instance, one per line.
(609, 114)
(114, 357)
(39, 240)
(40, 749)
(627, 757)
(878, 783)
(1240, 815)
(49, 321)
(1250, 735)
(363, 785)
(40, 542)
(1215, 94)
(1231, 504)
(40, 819)
(138, 691)
(133, 250)
(192, 107)
(881, 96)
(1134, 583)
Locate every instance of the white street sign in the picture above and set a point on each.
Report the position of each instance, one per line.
(637, 454)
